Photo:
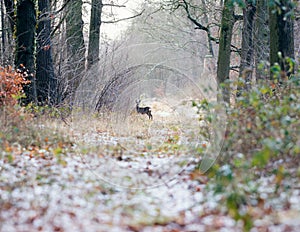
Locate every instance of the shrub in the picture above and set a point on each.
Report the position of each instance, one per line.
(262, 140)
(11, 85)
(264, 123)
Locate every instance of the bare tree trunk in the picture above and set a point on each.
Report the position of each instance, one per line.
(223, 70)
(75, 46)
(7, 32)
(9, 5)
(282, 34)
(206, 20)
(25, 47)
(94, 36)
(45, 78)
(246, 66)
(3, 39)
(262, 38)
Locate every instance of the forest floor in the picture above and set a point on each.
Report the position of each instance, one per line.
(82, 178)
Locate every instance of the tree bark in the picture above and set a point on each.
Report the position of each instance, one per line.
(282, 34)
(45, 79)
(75, 46)
(246, 65)
(206, 20)
(9, 6)
(223, 70)
(3, 39)
(262, 39)
(8, 22)
(25, 46)
(94, 36)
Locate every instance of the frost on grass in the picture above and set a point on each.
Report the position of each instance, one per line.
(60, 187)
(134, 152)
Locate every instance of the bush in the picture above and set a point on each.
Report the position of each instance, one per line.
(11, 85)
(261, 143)
(19, 125)
(264, 123)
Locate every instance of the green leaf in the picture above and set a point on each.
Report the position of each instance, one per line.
(262, 157)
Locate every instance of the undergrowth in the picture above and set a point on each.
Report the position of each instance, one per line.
(262, 140)
(24, 126)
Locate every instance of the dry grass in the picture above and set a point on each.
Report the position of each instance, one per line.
(131, 123)
(17, 126)
(176, 125)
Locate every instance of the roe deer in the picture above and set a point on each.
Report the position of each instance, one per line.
(143, 110)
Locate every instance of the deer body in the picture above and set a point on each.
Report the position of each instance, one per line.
(143, 110)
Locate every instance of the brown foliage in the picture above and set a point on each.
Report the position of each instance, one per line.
(11, 84)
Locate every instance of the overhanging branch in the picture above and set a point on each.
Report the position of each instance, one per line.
(199, 26)
(123, 19)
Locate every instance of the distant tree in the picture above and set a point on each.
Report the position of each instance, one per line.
(95, 27)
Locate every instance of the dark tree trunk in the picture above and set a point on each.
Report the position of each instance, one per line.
(281, 33)
(246, 66)
(262, 39)
(94, 36)
(75, 47)
(25, 36)
(227, 23)
(46, 83)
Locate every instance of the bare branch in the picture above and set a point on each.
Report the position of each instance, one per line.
(45, 16)
(199, 25)
(105, 4)
(113, 5)
(63, 7)
(123, 19)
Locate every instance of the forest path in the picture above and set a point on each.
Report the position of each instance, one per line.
(99, 184)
